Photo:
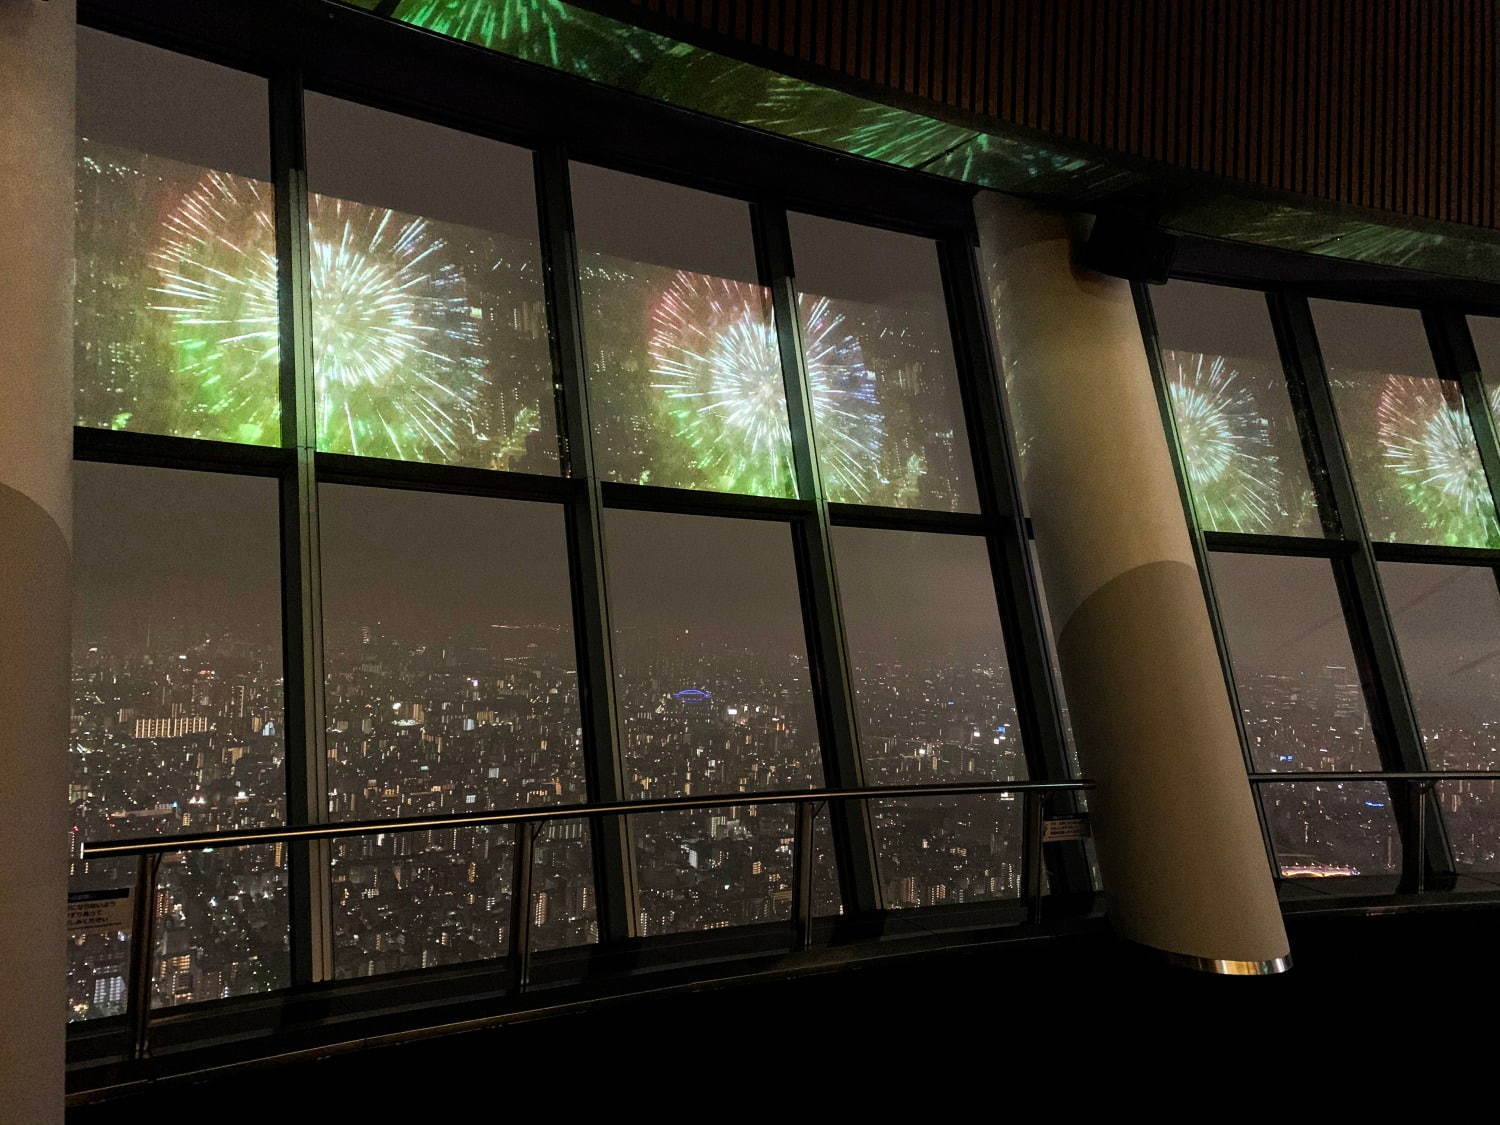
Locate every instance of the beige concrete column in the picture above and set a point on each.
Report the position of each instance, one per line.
(1185, 870)
(36, 414)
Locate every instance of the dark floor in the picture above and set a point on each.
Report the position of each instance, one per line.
(990, 1018)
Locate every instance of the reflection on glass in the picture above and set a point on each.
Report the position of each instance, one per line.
(1294, 667)
(177, 705)
(934, 703)
(1485, 331)
(429, 319)
(1407, 432)
(1322, 829)
(887, 409)
(714, 697)
(685, 381)
(175, 313)
(1447, 621)
(1234, 418)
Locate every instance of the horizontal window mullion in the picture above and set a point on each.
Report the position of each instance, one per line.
(907, 519)
(128, 447)
(1425, 553)
(688, 501)
(1278, 544)
(343, 468)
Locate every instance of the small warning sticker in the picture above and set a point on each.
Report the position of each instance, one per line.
(1056, 829)
(96, 912)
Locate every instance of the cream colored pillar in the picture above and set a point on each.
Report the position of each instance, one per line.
(36, 413)
(1185, 869)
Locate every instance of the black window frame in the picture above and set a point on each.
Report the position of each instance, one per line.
(332, 49)
(1427, 856)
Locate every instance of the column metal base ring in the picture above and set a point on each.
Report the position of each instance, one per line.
(1228, 968)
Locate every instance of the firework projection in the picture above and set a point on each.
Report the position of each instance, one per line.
(401, 369)
(217, 274)
(541, 31)
(713, 355)
(1426, 442)
(1234, 473)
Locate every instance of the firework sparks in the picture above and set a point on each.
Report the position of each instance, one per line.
(1233, 474)
(544, 31)
(396, 351)
(217, 265)
(713, 353)
(1425, 437)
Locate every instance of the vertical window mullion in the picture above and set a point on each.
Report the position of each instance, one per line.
(1017, 593)
(302, 626)
(614, 863)
(1402, 746)
(1456, 357)
(843, 766)
(1152, 340)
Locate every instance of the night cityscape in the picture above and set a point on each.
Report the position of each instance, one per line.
(444, 696)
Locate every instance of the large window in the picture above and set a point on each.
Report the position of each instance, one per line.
(1342, 492)
(934, 703)
(453, 478)
(714, 698)
(429, 330)
(178, 722)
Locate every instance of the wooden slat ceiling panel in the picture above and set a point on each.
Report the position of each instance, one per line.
(1389, 104)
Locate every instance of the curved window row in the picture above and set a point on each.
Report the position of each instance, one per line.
(422, 473)
(1340, 459)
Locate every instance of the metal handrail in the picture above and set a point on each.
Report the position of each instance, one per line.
(1375, 775)
(146, 845)
(149, 851)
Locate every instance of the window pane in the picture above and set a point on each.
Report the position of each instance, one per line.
(450, 680)
(1239, 435)
(934, 703)
(1294, 667)
(177, 709)
(450, 689)
(1447, 621)
(1469, 813)
(1408, 435)
(685, 382)
(221, 924)
(175, 310)
(886, 402)
(429, 320)
(714, 697)
(1332, 828)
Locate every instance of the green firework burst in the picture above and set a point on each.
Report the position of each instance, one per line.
(1233, 473)
(714, 356)
(1426, 439)
(395, 351)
